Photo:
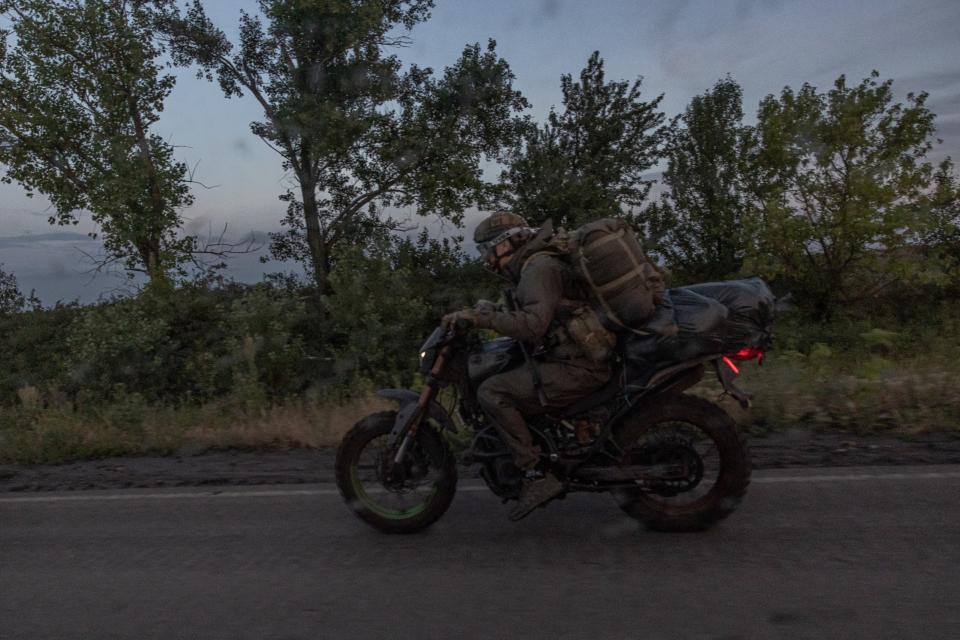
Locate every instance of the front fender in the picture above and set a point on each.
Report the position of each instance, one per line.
(406, 398)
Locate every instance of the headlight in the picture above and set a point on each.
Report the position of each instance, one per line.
(427, 358)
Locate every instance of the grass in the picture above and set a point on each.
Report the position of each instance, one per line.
(865, 375)
(34, 434)
(869, 395)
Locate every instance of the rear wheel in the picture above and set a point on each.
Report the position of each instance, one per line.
(698, 437)
(395, 498)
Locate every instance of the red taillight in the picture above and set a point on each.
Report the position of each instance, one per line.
(747, 353)
(729, 363)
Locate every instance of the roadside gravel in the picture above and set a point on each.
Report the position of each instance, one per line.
(795, 448)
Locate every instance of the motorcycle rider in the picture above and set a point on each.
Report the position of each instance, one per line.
(547, 296)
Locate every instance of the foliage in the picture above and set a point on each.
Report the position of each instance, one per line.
(190, 345)
(80, 89)
(390, 296)
(358, 134)
(377, 313)
(868, 379)
(941, 237)
(446, 277)
(589, 161)
(698, 224)
(11, 299)
(35, 351)
(837, 183)
(131, 355)
(264, 342)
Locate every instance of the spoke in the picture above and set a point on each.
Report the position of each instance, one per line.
(678, 441)
(398, 499)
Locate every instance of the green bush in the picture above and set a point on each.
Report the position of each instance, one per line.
(34, 350)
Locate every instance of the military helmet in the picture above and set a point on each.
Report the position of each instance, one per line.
(499, 227)
(496, 224)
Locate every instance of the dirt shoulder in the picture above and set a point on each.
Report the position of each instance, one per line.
(797, 448)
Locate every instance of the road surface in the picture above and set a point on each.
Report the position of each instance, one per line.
(817, 553)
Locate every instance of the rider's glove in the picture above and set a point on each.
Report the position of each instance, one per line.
(451, 320)
(485, 306)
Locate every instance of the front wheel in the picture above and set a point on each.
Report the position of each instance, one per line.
(699, 437)
(395, 499)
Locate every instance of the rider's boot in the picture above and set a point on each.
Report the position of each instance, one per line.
(538, 487)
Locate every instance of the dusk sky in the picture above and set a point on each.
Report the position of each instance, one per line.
(681, 48)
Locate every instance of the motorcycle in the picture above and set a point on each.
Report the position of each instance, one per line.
(673, 461)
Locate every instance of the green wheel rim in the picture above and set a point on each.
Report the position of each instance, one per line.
(382, 511)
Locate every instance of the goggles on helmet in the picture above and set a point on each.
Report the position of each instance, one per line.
(487, 248)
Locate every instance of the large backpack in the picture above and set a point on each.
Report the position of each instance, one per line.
(624, 285)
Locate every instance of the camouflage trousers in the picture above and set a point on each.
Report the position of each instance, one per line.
(509, 397)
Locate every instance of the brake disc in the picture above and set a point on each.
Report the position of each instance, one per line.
(404, 477)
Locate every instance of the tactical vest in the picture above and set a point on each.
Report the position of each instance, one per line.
(575, 320)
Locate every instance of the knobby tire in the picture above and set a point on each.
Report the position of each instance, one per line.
(735, 467)
(348, 454)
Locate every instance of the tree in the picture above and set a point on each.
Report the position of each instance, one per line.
(699, 222)
(837, 182)
(589, 161)
(446, 278)
(11, 299)
(358, 133)
(80, 90)
(942, 235)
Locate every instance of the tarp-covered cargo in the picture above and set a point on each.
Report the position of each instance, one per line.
(752, 307)
(685, 325)
(715, 318)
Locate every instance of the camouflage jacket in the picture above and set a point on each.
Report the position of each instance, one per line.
(546, 290)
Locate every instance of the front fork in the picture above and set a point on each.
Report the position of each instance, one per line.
(409, 418)
(407, 439)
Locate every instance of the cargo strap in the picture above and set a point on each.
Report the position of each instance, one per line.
(610, 237)
(593, 285)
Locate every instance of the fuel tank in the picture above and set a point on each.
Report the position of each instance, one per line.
(493, 357)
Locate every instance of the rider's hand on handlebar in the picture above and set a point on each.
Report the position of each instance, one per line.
(485, 306)
(460, 320)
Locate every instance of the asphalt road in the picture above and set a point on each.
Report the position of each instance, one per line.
(819, 553)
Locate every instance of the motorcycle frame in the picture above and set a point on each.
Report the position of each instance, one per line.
(672, 380)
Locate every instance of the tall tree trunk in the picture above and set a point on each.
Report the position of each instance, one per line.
(315, 240)
(149, 250)
(149, 247)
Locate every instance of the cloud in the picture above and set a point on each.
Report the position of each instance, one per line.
(550, 9)
(948, 130)
(670, 15)
(257, 237)
(197, 224)
(945, 106)
(747, 8)
(931, 81)
(29, 240)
